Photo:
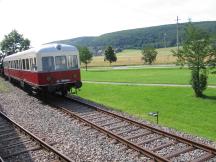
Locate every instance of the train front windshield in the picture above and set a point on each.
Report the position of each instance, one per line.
(59, 63)
(48, 63)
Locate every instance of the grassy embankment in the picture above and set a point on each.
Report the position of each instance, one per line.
(178, 107)
(133, 57)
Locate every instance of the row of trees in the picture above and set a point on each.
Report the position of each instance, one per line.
(197, 51)
(86, 55)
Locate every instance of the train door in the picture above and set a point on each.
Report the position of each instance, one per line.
(20, 68)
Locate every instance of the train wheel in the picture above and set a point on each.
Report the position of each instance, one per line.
(43, 93)
(28, 89)
(64, 92)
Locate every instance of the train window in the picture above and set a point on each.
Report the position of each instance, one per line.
(27, 64)
(23, 64)
(35, 61)
(72, 62)
(34, 64)
(48, 63)
(20, 66)
(60, 63)
(30, 62)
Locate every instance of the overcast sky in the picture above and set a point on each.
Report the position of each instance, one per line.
(48, 20)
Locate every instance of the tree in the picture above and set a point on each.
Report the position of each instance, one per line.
(110, 55)
(198, 53)
(14, 42)
(149, 55)
(85, 56)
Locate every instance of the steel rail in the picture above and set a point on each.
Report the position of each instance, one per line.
(146, 152)
(164, 133)
(39, 141)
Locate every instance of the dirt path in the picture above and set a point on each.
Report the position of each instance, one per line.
(144, 84)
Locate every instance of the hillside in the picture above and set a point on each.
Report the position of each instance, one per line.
(158, 36)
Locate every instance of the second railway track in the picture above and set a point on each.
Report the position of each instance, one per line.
(156, 144)
(17, 144)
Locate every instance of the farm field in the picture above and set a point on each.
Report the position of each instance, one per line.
(133, 57)
(177, 106)
(144, 75)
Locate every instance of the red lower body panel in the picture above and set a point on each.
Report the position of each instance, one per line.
(44, 78)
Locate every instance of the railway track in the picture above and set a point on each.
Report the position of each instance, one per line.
(156, 144)
(18, 144)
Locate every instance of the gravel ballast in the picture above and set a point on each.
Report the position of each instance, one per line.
(71, 137)
(68, 135)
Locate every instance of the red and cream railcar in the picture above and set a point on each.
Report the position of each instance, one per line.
(52, 67)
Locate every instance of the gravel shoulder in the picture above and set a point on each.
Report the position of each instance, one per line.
(71, 137)
(77, 141)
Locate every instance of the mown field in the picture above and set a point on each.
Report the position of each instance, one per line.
(144, 75)
(133, 57)
(178, 107)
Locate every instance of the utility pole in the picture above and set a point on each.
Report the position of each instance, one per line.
(164, 39)
(177, 34)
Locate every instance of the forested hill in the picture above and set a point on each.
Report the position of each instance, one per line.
(158, 36)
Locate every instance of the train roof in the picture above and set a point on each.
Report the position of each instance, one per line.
(45, 49)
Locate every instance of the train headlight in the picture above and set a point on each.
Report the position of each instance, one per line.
(74, 76)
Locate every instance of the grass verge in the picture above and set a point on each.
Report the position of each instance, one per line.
(3, 87)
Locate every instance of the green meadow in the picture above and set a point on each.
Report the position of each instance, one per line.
(144, 75)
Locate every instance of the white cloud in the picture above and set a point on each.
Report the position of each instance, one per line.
(48, 20)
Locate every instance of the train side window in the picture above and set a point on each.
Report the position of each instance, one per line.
(27, 64)
(34, 64)
(48, 63)
(60, 62)
(35, 61)
(72, 62)
(16, 63)
(19, 64)
(23, 64)
(31, 62)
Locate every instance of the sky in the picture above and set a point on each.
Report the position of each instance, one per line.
(44, 21)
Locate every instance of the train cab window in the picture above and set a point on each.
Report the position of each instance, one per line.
(72, 62)
(60, 63)
(48, 63)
